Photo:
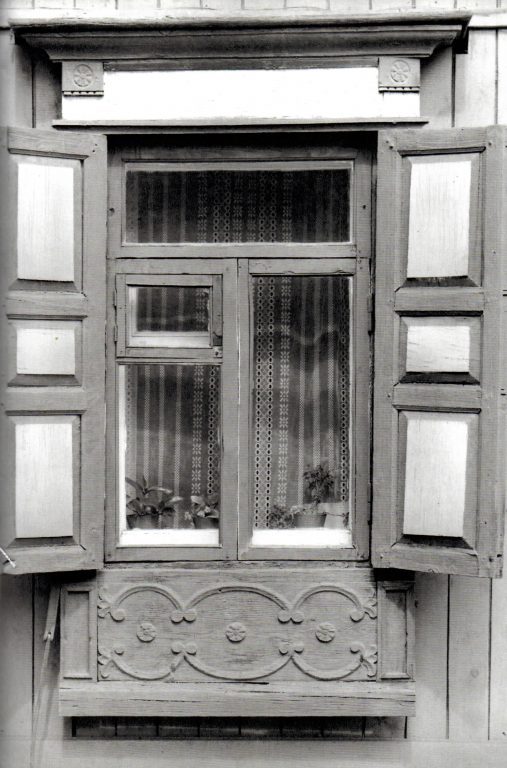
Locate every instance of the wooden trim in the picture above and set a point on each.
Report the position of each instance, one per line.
(188, 272)
(83, 310)
(269, 39)
(227, 126)
(282, 699)
(478, 552)
(393, 646)
(233, 251)
(360, 415)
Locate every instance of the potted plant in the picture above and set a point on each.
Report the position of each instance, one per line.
(280, 517)
(153, 506)
(204, 512)
(319, 483)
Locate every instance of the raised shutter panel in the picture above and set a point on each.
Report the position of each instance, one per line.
(52, 382)
(438, 487)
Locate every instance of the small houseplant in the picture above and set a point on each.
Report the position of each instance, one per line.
(204, 512)
(153, 506)
(319, 484)
(280, 517)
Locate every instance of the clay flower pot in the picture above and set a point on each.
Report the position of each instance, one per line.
(205, 522)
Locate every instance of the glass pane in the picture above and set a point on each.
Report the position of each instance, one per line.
(238, 206)
(172, 449)
(169, 316)
(301, 406)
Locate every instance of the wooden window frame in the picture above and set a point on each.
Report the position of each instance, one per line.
(351, 258)
(153, 270)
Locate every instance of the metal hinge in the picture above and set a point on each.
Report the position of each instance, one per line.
(115, 333)
(115, 298)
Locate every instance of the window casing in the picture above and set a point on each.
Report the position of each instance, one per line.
(263, 200)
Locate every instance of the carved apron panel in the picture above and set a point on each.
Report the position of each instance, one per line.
(237, 625)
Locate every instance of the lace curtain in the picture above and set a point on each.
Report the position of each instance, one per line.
(301, 378)
(238, 206)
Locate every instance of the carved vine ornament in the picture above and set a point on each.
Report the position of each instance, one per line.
(235, 632)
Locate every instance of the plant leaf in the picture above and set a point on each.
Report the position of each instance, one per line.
(158, 489)
(134, 484)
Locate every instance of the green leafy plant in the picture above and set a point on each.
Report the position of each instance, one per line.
(151, 499)
(280, 517)
(204, 506)
(319, 483)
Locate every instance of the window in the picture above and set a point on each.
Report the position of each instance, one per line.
(241, 330)
(436, 373)
(222, 356)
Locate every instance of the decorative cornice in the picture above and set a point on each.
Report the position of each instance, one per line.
(244, 40)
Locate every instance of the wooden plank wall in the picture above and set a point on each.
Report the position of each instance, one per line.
(461, 623)
(336, 6)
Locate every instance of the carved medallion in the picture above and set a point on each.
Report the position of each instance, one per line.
(235, 632)
(400, 71)
(399, 74)
(146, 632)
(325, 632)
(83, 76)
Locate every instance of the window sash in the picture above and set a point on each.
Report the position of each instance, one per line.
(355, 546)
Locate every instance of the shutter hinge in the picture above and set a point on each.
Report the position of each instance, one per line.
(115, 298)
(115, 333)
(369, 309)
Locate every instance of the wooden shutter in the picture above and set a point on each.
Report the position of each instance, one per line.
(52, 382)
(438, 474)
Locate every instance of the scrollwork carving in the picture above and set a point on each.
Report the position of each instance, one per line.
(295, 650)
(367, 657)
(107, 607)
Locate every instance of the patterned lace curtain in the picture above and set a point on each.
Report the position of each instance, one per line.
(301, 401)
(173, 417)
(238, 206)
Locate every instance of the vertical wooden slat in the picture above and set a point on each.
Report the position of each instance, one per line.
(498, 682)
(475, 78)
(51, 728)
(430, 722)
(469, 616)
(469, 599)
(15, 669)
(15, 82)
(502, 75)
(498, 664)
(436, 89)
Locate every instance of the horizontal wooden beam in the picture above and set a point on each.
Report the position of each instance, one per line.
(244, 699)
(252, 125)
(241, 38)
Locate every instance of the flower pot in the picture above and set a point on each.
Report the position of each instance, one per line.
(166, 519)
(310, 519)
(205, 522)
(336, 513)
(142, 521)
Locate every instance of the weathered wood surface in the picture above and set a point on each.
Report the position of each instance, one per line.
(54, 238)
(186, 700)
(210, 632)
(435, 703)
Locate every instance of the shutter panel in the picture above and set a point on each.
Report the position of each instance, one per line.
(438, 465)
(53, 307)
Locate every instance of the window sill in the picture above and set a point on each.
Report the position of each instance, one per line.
(226, 700)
